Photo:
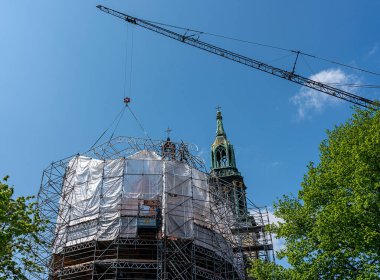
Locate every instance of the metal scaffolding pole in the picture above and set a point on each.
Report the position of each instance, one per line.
(123, 211)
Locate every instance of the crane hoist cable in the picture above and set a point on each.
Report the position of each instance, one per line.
(250, 62)
(139, 123)
(118, 118)
(127, 100)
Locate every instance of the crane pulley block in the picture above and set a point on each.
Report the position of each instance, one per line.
(127, 100)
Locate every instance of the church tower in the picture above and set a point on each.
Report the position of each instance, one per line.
(223, 166)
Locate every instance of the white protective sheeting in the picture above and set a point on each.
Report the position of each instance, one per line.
(103, 200)
(178, 197)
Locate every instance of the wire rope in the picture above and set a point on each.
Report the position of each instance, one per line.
(341, 84)
(220, 36)
(139, 123)
(279, 58)
(354, 85)
(131, 68)
(126, 62)
(100, 137)
(312, 72)
(341, 64)
(117, 124)
(264, 45)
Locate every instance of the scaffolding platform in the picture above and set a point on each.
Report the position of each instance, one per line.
(128, 209)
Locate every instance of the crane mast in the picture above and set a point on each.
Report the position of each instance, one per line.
(288, 75)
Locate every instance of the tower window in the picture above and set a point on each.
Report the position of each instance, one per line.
(221, 157)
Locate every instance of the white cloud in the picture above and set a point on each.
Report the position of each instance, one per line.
(308, 100)
(374, 49)
(278, 243)
(275, 163)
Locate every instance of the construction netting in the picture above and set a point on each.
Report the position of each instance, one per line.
(139, 206)
(106, 199)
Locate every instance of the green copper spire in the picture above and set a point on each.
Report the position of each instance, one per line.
(223, 165)
(219, 124)
(222, 151)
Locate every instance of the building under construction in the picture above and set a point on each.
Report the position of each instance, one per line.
(142, 209)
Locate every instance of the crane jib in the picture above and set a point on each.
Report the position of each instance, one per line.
(291, 76)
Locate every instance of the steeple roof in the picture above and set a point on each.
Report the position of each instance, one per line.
(222, 151)
(219, 124)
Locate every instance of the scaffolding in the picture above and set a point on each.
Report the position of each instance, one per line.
(140, 209)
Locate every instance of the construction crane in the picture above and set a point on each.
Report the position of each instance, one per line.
(288, 75)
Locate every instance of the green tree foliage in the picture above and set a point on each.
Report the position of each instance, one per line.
(266, 270)
(19, 227)
(332, 228)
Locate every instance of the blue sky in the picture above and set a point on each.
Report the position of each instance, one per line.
(63, 75)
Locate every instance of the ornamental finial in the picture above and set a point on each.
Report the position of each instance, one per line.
(168, 130)
(219, 123)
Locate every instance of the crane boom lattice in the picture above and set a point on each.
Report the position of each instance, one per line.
(288, 75)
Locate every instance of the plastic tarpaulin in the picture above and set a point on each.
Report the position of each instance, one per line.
(100, 199)
(104, 200)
